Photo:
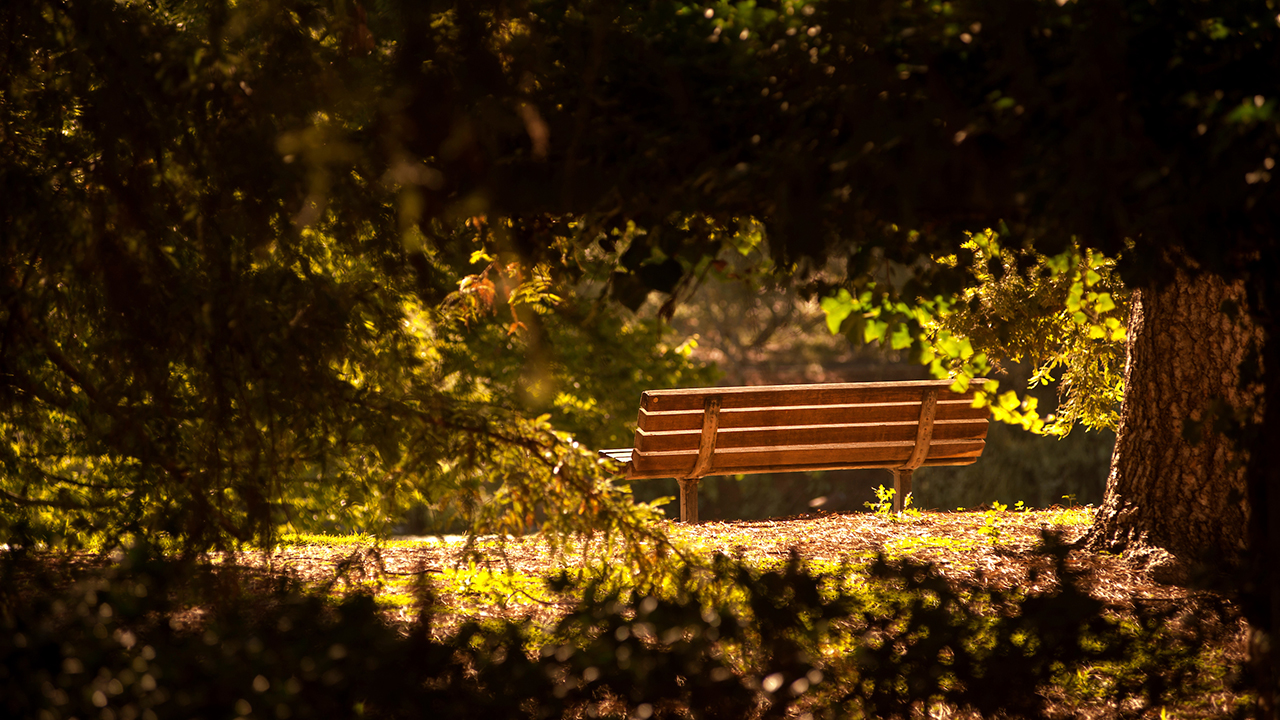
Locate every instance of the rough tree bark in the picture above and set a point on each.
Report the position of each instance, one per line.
(1177, 484)
(1261, 586)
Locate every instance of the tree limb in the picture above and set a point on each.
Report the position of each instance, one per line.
(58, 504)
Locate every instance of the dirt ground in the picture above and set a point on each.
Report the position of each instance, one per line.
(984, 547)
(987, 547)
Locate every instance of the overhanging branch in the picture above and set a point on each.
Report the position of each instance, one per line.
(57, 504)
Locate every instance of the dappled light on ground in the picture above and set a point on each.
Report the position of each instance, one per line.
(491, 578)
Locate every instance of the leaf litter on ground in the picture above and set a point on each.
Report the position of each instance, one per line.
(959, 544)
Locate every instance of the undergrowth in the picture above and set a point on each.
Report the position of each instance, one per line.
(717, 638)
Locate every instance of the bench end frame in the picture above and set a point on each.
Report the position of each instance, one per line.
(706, 450)
(924, 437)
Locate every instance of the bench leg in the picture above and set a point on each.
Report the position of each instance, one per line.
(689, 500)
(901, 487)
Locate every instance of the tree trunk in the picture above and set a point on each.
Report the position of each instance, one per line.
(1177, 481)
(1261, 581)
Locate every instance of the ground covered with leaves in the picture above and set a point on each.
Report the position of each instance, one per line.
(987, 613)
(994, 549)
(483, 577)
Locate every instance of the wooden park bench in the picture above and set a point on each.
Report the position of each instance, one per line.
(691, 433)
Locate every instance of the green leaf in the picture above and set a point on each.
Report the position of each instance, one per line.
(900, 338)
(837, 308)
(875, 330)
(1073, 296)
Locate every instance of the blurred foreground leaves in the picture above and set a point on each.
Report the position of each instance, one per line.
(150, 638)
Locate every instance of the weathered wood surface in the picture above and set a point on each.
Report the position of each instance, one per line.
(793, 395)
(797, 458)
(924, 432)
(730, 418)
(707, 437)
(843, 434)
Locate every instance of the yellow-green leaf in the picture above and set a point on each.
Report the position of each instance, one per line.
(837, 308)
(900, 338)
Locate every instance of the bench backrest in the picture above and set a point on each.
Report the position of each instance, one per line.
(786, 428)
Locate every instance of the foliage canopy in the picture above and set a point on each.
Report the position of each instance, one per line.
(210, 332)
(271, 255)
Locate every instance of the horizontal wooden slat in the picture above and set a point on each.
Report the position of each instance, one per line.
(948, 409)
(967, 460)
(798, 435)
(729, 461)
(635, 474)
(793, 395)
(622, 455)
